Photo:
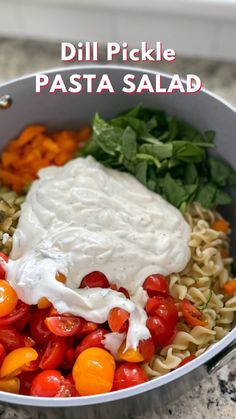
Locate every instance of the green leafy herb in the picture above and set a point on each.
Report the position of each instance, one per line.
(203, 306)
(167, 155)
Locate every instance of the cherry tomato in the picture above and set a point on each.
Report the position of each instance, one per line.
(93, 372)
(67, 388)
(3, 258)
(11, 385)
(95, 280)
(147, 349)
(10, 338)
(191, 314)
(26, 378)
(162, 333)
(34, 365)
(38, 329)
(130, 354)
(43, 302)
(14, 362)
(128, 375)
(186, 360)
(94, 339)
(69, 359)
(155, 284)
(164, 308)
(124, 291)
(8, 298)
(87, 327)
(54, 353)
(117, 319)
(2, 354)
(63, 326)
(18, 314)
(46, 384)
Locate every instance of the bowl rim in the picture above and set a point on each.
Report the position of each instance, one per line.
(157, 382)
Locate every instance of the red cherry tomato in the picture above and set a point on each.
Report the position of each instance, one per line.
(87, 327)
(124, 291)
(38, 328)
(162, 333)
(46, 383)
(94, 339)
(4, 258)
(155, 284)
(18, 314)
(69, 359)
(187, 360)
(164, 308)
(26, 378)
(95, 280)
(54, 353)
(67, 389)
(11, 339)
(63, 326)
(147, 349)
(2, 353)
(117, 319)
(191, 314)
(128, 375)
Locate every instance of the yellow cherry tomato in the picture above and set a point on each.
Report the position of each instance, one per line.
(44, 303)
(11, 385)
(93, 372)
(8, 298)
(60, 277)
(130, 355)
(16, 360)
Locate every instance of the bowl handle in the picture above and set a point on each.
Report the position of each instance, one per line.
(221, 359)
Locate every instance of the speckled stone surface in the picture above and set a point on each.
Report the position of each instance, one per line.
(215, 396)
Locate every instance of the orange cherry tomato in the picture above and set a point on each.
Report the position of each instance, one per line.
(11, 385)
(60, 277)
(117, 319)
(191, 314)
(15, 361)
(43, 303)
(93, 372)
(130, 354)
(8, 298)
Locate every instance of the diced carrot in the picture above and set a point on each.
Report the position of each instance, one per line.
(50, 145)
(225, 253)
(7, 159)
(84, 134)
(39, 164)
(62, 158)
(230, 287)
(50, 156)
(29, 133)
(221, 225)
(66, 142)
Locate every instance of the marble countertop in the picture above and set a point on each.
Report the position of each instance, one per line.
(215, 396)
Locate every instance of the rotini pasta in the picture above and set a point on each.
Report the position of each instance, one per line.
(201, 283)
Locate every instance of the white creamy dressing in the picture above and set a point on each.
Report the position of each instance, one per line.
(83, 217)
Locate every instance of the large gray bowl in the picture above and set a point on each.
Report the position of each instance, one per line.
(203, 110)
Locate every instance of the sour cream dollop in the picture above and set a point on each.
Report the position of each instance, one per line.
(83, 217)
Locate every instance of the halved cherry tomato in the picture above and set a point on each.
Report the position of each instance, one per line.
(124, 291)
(162, 333)
(95, 280)
(11, 385)
(38, 329)
(69, 359)
(87, 327)
(155, 284)
(46, 383)
(130, 354)
(18, 314)
(93, 372)
(186, 360)
(34, 365)
(8, 298)
(4, 258)
(67, 389)
(117, 319)
(14, 362)
(93, 340)
(128, 375)
(43, 302)
(10, 338)
(191, 314)
(54, 353)
(2, 354)
(164, 307)
(28, 341)
(147, 349)
(63, 326)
